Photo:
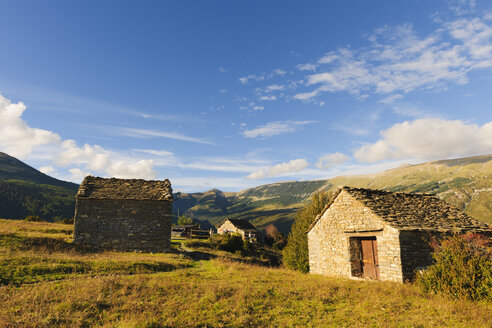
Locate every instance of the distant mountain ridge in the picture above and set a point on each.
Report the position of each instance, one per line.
(464, 182)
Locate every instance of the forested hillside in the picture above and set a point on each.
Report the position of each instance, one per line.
(25, 191)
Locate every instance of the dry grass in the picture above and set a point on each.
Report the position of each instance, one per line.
(220, 293)
(39, 251)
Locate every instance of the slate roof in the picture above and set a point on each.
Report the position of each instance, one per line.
(414, 211)
(242, 224)
(136, 189)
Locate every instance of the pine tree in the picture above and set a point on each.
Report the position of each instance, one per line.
(296, 254)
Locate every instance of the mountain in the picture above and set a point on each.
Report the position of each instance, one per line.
(25, 191)
(13, 169)
(465, 183)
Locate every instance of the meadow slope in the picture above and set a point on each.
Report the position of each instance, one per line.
(55, 284)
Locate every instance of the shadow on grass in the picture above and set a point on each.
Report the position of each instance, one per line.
(42, 244)
(38, 264)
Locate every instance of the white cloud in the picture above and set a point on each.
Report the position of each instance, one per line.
(390, 99)
(223, 91)
(428, 139)
(268, 98)
(78, 174)
(258, 108)
(285, 168)
(16, 137)
(97, 159)
(47, 169)
(275, 128)
(330, 160)
(246, 79)
(277, 71)
(145, 133)
(398, 60)
(306, 67)
(243, 80)
(163, 153)
(274, 87)
(20, 140)
(222, 69)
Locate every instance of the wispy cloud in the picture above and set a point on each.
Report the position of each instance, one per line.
(286, 168)
(306, 67)
(146, 133)
(268, 98)
(275, 128)
(398, 60)
(330, 160)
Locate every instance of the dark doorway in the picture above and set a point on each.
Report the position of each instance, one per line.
(364, 257)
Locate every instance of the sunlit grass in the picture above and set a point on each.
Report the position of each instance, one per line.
(114, 291)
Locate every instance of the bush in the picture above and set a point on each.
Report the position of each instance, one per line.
(64, 220)
(185, 220)
(33, 218)
(462, 268)
(274, 238)
(295, 254)
(227, 242)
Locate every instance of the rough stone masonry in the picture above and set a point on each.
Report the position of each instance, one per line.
(124, 214)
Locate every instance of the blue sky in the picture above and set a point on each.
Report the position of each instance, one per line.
(234, 94)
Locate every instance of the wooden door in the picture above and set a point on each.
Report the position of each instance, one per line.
(370, 265)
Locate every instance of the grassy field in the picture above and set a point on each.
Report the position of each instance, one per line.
(47, 282)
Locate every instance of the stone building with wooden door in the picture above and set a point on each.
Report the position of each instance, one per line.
(381, 235)
(124, 214)
(242, 227)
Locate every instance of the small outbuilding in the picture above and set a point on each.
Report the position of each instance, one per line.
(124, 214)
(381, 235)
(242, 227)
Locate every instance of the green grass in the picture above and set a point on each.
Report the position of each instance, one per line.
(81, 289)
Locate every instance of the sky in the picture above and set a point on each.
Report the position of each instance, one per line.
(236, 94)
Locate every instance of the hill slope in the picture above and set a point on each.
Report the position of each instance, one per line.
(13, 169)
(26, 191)
(465, 183)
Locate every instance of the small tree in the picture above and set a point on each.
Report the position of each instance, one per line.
(462, 268)
(185, 220)
(274, 238)
(295, 254)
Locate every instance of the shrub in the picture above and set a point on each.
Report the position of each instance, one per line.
(296, 254)
(274, 238)
(33, 218)
(462, 268)
(227, 242)
(64, 220)
(185, 220)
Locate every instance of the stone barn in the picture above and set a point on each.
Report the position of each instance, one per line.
(242, 227)
(124, 214)
(381, 235)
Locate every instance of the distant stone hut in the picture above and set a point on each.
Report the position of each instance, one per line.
(381, 235)
(242, 227)
(124, 214)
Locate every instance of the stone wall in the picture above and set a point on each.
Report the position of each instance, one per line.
(125, 225)
(329, 239)
(229, 227)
